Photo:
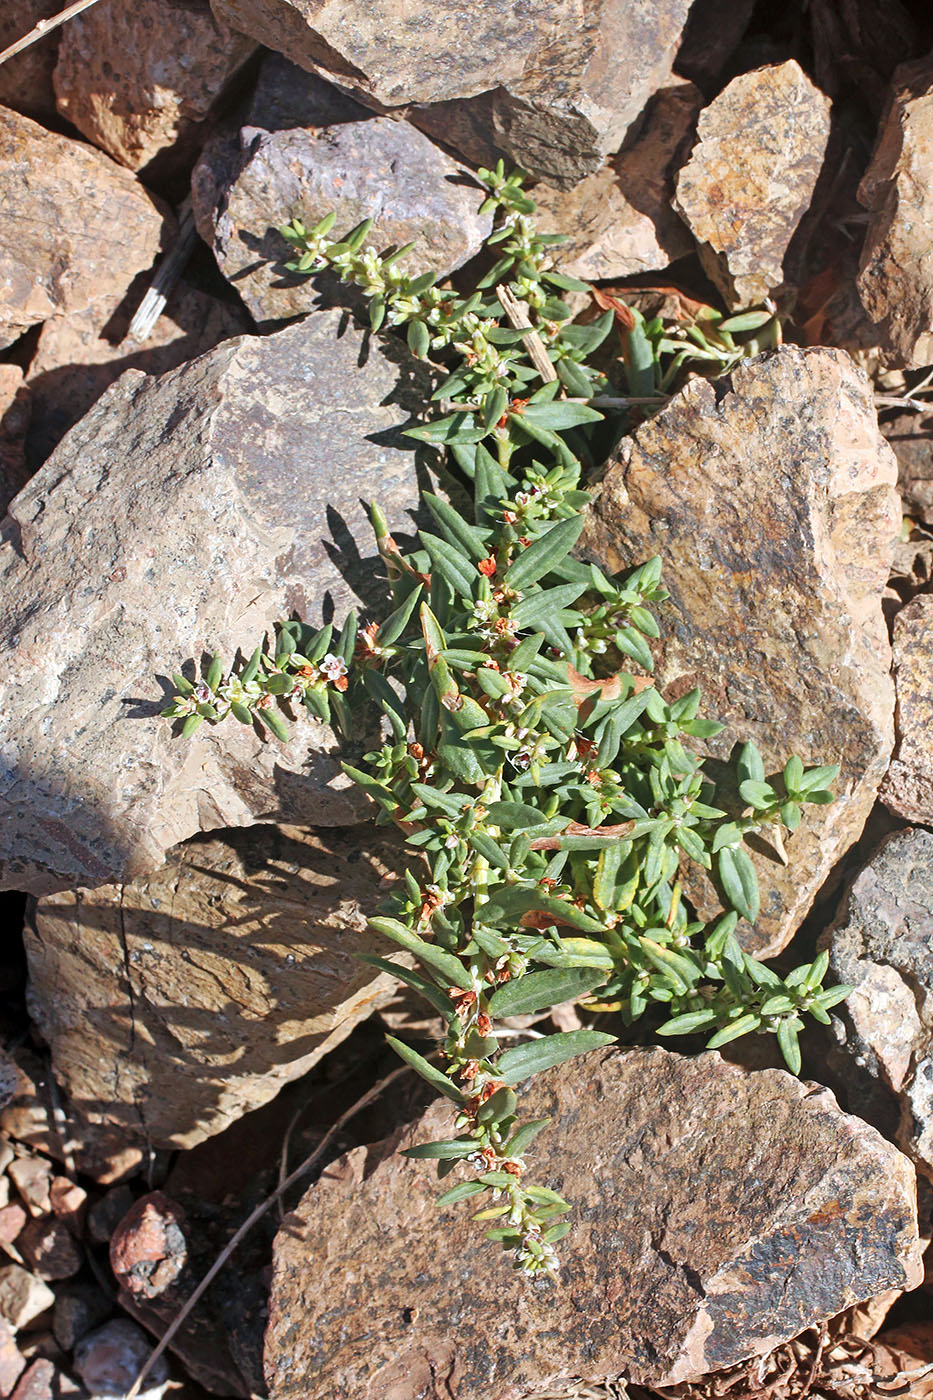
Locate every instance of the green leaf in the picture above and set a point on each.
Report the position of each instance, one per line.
(455, 428)
(450, 564)
(739, 881)
(750, 764)
(512, 816)
(793, 772)
(817, 778)
(741, 1026)
(414, 979)
(757, 795)
(395, 624)
(434, 1077)
(448, 1150)
(501, 1104)
(546, 551)
(449, 967)
(540, 606)
(184, 687)
(274, 721)
(525, 1136)
(190, 725)
(455, 529)
(566, 284)
(463, 1192)
(688, 1022)
(419, 339)
(536, 991)
(522, 1061)
(790, 1048)
(558, 415)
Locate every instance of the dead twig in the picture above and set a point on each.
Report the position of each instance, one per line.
(251, 1220)
(532, 342)
(167, 274)
(44, 27)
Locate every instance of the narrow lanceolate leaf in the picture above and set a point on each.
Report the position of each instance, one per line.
(463, 1192)
(414, 979)
(397, 621)
(523, 1061)
(537, 990)
(455, 529)
(450, 563)
(430, 1072)
(687, 1023)
(546, 551)
(450, 1149)
(449, 967)
(739, 881)
(525, 1136)
(538, 607)
(559, 415)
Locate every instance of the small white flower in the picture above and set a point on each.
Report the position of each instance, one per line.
(333, 667)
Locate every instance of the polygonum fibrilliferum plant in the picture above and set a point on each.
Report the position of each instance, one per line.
(545, 791)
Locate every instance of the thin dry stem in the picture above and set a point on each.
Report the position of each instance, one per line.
(44, 27)
(532, 342)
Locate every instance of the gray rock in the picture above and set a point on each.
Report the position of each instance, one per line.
(769, 497)
(881, 944)
(553, 86)
(181, 516)
(908, 784)
(716, 1214)
(375, 168)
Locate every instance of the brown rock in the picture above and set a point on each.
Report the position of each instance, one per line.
(32, 1177)
(109, 1359)
(566, 83)
(23, 1297)
(908, 785)
(39, 1382)
(105, 1214)
(148, 1250)
(176, 1004)
(79, 1306)
(751, 176)
(12, 1220)
(49, 1249)
(911, 436)
(713, 32)
(26, 80)
(775, 551)
(896, 271)
(880, 944)
(117, 562)
(80, 355)
(12, 1361)
(137, 79)
(619, 220)
(14, 421)
(69, 1201)
(717, 1213)
(853, 51)
(377, 168)
(76, 228)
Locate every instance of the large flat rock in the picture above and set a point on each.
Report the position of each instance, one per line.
(717, 1213)
(184, 515)
(770, 499)
(176, 1003)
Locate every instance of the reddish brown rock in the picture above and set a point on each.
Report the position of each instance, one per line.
(175, 1004)
(49, 1248)
(32, 1177)
(619, 220)
(23, 1296)
(76, 227)
(751, 176)
(908, 785)
(69, 1201)
(566, 83)
(770, 499)
(148, 1250)
(78, 356)
(716, 1214)
(12, 1220)
(896, 272)
(136, 79)
(26, 80)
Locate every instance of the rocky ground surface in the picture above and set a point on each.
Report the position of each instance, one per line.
(183, 1014)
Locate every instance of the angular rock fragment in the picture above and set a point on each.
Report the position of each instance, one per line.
(769, 497)
(79, 355)
(183, 516)
(716, 1214)
(751, 176)
(76, 227)
(136, 79)
(26, 79)
(908, 785)
(911, 436)
(377, 168)
(619, 220)
(557, 86)
(176, 1004)
(881, 944)
(896, 272)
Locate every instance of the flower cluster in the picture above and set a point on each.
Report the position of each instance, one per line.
(550, 796)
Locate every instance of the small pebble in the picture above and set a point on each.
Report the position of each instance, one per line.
(22, 1296)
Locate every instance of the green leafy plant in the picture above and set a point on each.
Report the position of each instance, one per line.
(548, 793)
